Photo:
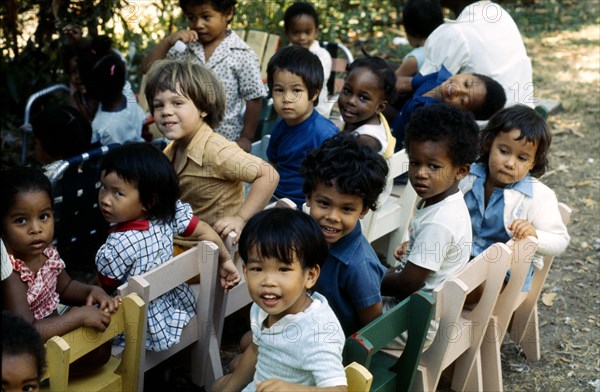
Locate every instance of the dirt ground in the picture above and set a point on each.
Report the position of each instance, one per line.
(566, 68)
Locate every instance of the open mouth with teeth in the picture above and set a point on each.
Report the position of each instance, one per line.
(270, 299)
(330, 230)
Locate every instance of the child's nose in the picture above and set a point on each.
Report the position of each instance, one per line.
(333, 215)
(36, 227)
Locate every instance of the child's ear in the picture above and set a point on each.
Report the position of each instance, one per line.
(245, 271)
(462, 171)
(317, 92)
(312, 274)
(229, 16)
(202, 114)
(381, 106)
(364, 212)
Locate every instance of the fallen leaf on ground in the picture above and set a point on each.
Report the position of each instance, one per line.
(548, 298)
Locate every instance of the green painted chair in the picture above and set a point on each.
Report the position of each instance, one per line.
(389, 373)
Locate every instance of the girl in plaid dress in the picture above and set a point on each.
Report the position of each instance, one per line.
(139, 194)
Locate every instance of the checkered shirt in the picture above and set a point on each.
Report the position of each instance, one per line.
(133, 248)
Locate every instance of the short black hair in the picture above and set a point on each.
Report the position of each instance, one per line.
(352, 167)
(299, 61)
(107, 78)
(380, 68)
(281, 233)
(533, 128)
(21, 179)
(62, 131)
(145, 166)
(495, 98)
(89, 53)
(441, 122)
(20, 337)
(421, 17)
(299, 8)
(222, 6)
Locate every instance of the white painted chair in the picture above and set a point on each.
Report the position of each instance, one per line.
(259, 148)
(388, 225)
(202, 331)
(523, 252)
(460, 332)
(525, 323)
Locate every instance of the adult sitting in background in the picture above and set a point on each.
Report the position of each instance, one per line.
(483, 39)
(60, 132)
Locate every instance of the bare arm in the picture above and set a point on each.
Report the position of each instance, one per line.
(276, 385)
(14, 300)
(160, 50)
(370, 313)
(251, 119)
(243, 374)
(402, 284)
(260, 192)
(229, 274)
(73, 292)
(408, 68)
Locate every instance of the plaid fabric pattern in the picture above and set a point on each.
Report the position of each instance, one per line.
(41, 287)
(132, 250)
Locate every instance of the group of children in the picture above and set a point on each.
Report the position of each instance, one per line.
(313, 276)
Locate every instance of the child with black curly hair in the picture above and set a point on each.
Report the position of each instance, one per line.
(23, 355)
(343, 179)
(441, 142)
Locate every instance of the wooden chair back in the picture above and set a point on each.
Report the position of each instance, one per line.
(522, 255)
(390, 373)
(359, 378)
(117, 374)
(460, 333)
(201, 331)
(525, 324)
(388, 225)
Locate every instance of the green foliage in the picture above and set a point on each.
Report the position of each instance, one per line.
(31, 62)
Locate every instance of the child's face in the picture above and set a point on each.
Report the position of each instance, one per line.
(290, 97)
(302, 31)
(431, 171)
(464, 91)
(19, 373)
(510, 159)
(29, 225)
(119, 200)
(209, 23)
(361, 98)
(336, 213)
(176, 116)
(278, 288)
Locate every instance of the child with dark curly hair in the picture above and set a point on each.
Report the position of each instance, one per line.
(441, 142)
(23, 355)
(502, 191)
(343, 179)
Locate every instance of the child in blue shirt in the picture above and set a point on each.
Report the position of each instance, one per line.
(342, 181)
(295, 77)
(476, 93)
(504, 196)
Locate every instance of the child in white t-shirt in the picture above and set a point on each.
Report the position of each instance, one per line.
(296, 338)
(441, 142)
